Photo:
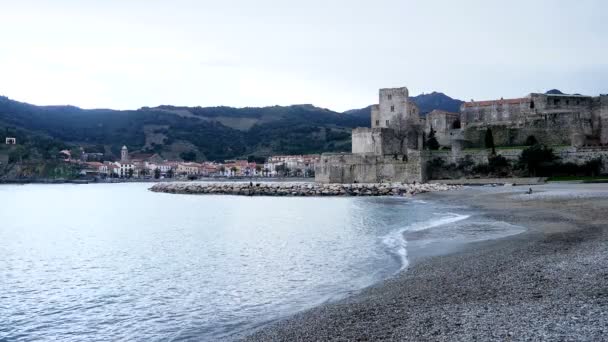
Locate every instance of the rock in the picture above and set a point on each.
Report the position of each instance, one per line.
(300, 189)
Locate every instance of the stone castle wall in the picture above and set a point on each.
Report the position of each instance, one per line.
(442, 123)
(378, 141)
(566, 154)
(551, 119)
(370, 168)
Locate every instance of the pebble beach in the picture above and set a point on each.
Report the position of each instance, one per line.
(549, 283)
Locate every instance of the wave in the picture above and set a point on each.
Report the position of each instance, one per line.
(397, 243)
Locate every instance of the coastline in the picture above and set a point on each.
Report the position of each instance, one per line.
(549, 282)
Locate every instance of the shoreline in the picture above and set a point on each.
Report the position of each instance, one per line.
(549, 282)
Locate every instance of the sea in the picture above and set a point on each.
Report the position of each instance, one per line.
(110, 262)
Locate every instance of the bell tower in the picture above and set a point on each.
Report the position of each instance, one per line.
(124, 155)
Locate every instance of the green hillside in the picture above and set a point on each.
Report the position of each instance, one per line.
(212, 133)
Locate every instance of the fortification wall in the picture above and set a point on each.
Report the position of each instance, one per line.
(551, 119)
(369, 168)
(507, 135)
(379, 141)
(567, 154)
(442, 123)
(603, 119)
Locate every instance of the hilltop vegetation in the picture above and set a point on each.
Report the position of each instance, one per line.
(211, 133)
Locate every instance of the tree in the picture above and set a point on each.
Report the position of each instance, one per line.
(536, 158)
(280, 169)
(188, 156)
(223, 169)
(531, 140)
(156, 173)
(489, 140)
(233, 169)
(170, 173)
(258, 168)
(130, 173)
(432, 142)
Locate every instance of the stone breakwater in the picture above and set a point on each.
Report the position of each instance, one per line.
(300, 189)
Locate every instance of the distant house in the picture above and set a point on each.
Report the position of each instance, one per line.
(188, 168)
(11, 141)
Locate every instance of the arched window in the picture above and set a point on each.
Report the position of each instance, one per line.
(531, 104)
(456, 124)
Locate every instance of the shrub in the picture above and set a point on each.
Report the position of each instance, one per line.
(465, 164)
(531, 140)
(432, 142)
(537, 160)
(497, 161)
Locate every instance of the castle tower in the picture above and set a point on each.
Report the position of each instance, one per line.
(394, 109)
(124, 155)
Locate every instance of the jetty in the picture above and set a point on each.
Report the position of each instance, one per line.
(299, 188)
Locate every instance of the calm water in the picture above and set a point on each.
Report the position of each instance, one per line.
(117, 262)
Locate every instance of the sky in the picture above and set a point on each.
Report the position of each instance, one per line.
(126, 54)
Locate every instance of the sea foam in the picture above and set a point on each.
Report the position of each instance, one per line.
(397, 243)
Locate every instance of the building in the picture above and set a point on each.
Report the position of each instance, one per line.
(124, 154)
(296, 165)
(163, 167)
(389, 151)
(188, 168)
(553, 119)
(444, 124)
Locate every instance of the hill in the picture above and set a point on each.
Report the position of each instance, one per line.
(212, 133)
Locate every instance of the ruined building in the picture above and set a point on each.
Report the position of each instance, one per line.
(388, 151)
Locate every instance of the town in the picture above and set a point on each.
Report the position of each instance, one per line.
(152, 166)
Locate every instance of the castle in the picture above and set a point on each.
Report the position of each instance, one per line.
(392, 149)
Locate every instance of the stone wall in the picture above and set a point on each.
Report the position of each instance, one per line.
(601, 116)
(379, 141)
(442, 123)
(370, 168)
(551, 119)
(566, 154)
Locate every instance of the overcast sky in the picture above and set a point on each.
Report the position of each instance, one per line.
(126, 54)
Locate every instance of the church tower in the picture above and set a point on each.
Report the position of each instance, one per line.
(124, 155)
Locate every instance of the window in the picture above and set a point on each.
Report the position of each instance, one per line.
(567, 102)
(377, 122)
(532, 105)
(556, 102)
(387, 123)
(390, 97)
(392, 108)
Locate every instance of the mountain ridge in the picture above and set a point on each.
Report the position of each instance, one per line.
(213, 133)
